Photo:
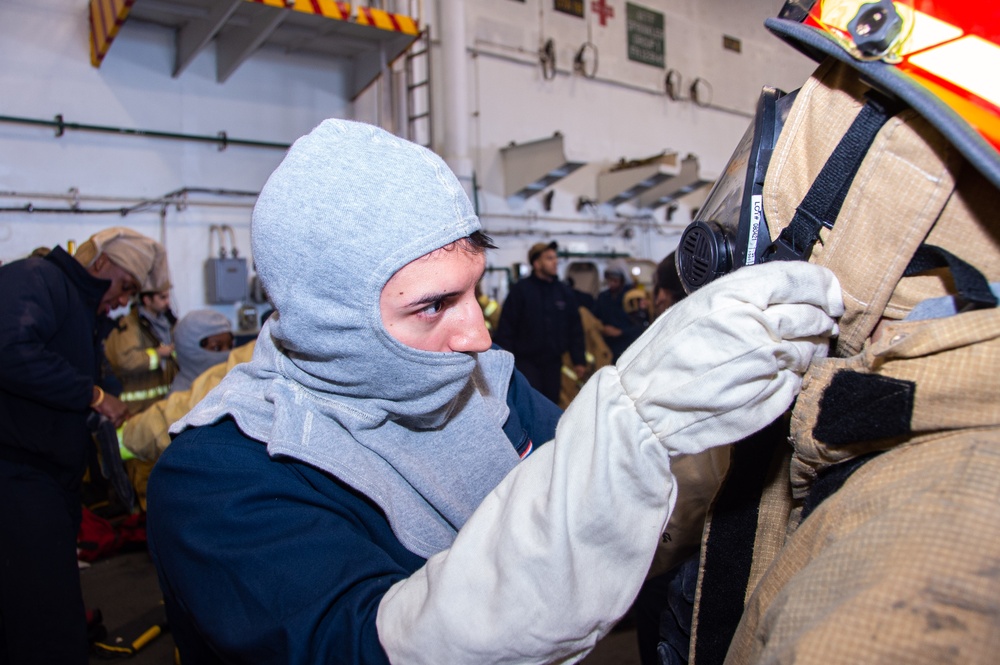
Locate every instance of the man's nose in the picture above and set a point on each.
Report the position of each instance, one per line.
(473, 337)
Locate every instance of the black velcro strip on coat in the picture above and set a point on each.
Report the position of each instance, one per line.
(859, 407)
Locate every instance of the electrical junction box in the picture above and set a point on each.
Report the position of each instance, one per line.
(226, 280)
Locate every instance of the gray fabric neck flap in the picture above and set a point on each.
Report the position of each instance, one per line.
(942, 307)
(418, 432)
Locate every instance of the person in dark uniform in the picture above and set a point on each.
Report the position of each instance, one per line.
(379, 484)
(619, 330)
(50, 357)
(540, 321)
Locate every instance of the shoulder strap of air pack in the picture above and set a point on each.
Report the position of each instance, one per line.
(821, 204)
(973, 288)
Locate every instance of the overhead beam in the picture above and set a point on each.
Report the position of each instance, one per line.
(531, 167)
(671, 189)
(194, 36)
(234, 45)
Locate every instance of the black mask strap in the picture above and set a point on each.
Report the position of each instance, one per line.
(973, 288)
(821, 204)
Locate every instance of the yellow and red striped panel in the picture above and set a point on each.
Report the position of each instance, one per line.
(377, 18)
(106, 18)
(342, 11)
(328, 8)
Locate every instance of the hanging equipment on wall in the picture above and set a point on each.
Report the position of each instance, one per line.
(547, 58)
(547, 48)
(701, 92)
(672, 84)
(580, 61)
(580, 65)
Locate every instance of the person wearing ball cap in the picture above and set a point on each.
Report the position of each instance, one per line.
(540, 322)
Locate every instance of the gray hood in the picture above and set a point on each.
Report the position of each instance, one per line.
(191, 357)
(418, 432)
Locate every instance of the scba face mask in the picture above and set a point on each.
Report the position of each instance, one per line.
(730, 230)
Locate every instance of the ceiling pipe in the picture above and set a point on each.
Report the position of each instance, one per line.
(178, 199)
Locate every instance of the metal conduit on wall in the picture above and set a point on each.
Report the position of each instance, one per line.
(222, 139)
(178, 199)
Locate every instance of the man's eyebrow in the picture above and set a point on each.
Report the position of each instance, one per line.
(429, 298)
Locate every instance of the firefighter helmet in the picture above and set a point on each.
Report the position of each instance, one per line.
(938, 56)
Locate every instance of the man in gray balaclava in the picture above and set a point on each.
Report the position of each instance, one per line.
(371, 486)
(204, 341)
(204, 338)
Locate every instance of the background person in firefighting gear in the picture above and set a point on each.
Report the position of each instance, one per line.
(204, 339)
(51, 330)
(205, 351)
(357, 493)
(865, 528)
(140, 352)
(597, 352)
(638, 307)
(540, 321)
(141, 349)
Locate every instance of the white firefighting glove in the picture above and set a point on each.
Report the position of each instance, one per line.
(556, 553)
(735, 351)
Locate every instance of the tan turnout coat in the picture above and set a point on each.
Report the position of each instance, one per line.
(901, 564)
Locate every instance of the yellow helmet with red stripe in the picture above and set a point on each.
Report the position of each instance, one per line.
(951, 48)
(946, 51)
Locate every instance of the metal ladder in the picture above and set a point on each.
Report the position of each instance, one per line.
(417, 67)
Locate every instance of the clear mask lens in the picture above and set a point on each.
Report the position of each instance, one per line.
(730, 229)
